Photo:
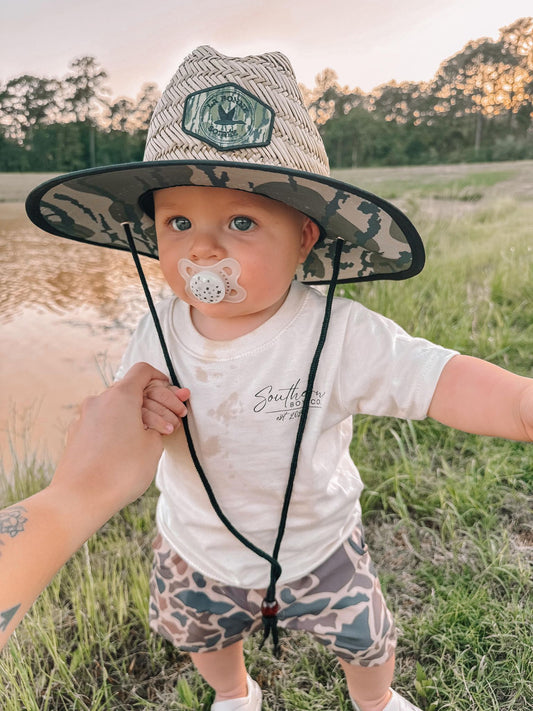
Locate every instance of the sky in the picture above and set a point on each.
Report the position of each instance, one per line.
(367, 42)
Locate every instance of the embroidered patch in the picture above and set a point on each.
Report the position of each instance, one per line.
(228, 117)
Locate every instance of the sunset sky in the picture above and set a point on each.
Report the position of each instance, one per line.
(367, 42)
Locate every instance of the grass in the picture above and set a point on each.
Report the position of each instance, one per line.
(469, 187)
(447, 515)
(434, 180)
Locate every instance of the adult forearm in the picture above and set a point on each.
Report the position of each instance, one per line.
(37, 536)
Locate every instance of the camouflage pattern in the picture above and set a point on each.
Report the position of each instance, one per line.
(228, 117)
(340, 603)
(89, 206)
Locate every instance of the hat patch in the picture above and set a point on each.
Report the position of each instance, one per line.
(228, 117)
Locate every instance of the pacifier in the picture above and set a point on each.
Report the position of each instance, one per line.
(215, 283)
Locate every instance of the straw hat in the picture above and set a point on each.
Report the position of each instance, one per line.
(239, 123)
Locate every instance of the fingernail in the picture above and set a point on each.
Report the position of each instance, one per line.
(169, 428)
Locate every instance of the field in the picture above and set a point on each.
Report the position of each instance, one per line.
(447, 515)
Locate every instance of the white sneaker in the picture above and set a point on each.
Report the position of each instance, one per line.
(252, 702)
(396, 703)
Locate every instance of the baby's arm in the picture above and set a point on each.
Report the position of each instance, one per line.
(164, 406)
(479, 397)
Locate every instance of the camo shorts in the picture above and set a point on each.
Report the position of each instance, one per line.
(340, 603)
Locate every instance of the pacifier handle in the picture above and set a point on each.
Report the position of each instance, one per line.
(214, 283)
(208, 287)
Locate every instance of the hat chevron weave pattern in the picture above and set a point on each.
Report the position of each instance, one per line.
(237, 123)
(295, 141)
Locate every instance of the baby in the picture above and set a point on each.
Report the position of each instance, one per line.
(259, 520)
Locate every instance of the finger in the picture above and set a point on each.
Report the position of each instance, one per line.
(154, 421)
(182, 394)
(160, 409)
(166, 398)
(176, 407)
(141, 375)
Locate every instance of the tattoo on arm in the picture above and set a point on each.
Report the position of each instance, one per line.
(12, 521)
(6, 616)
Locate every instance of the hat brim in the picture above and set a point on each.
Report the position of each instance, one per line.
(92, 205)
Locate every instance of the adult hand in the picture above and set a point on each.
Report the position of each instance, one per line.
(110, 456)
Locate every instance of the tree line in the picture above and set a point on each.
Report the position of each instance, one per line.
(477, 107)
(71, 123)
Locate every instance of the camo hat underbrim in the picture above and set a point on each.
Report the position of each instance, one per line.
(91, 205)
(238, 123)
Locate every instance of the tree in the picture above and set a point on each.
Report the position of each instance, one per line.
(86, 96)
(145, 105)
(465, 83)
(121, 111)
(25, 102)
(131, 116)
(397, 102)
(361, 138)
(329, 100)
(517, 83)
(324, 96)
(13, 157)
(59, 147)
(86, 91)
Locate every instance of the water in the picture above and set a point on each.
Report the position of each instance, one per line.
(66, 313)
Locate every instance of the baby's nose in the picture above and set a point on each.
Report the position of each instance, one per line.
(206, 246)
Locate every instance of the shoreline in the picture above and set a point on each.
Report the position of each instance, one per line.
(14, 187)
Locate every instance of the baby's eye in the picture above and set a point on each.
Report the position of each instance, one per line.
(241, 223)
(180, 224)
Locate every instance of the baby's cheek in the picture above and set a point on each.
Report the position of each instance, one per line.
(174, 280)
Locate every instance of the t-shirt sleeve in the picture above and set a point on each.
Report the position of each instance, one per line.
(144, 347)
(385, 371)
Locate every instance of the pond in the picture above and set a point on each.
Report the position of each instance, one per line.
(66, 314)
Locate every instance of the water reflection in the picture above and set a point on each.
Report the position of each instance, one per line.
(58, 275)
(66, 313)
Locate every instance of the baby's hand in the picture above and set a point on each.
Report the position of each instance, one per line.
(163, 406)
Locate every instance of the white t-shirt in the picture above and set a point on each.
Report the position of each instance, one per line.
(246, 398)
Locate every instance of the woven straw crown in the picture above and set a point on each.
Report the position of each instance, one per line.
(295, 141)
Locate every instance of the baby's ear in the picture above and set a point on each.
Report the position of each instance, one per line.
(310, 235)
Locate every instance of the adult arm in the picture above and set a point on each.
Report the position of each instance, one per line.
(109, 461)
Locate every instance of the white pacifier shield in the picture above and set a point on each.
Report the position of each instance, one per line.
(215, 283)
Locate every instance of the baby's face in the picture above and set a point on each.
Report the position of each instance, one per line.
(205, 225)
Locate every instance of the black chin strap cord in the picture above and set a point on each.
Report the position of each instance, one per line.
(270, 606)
(185, 422)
